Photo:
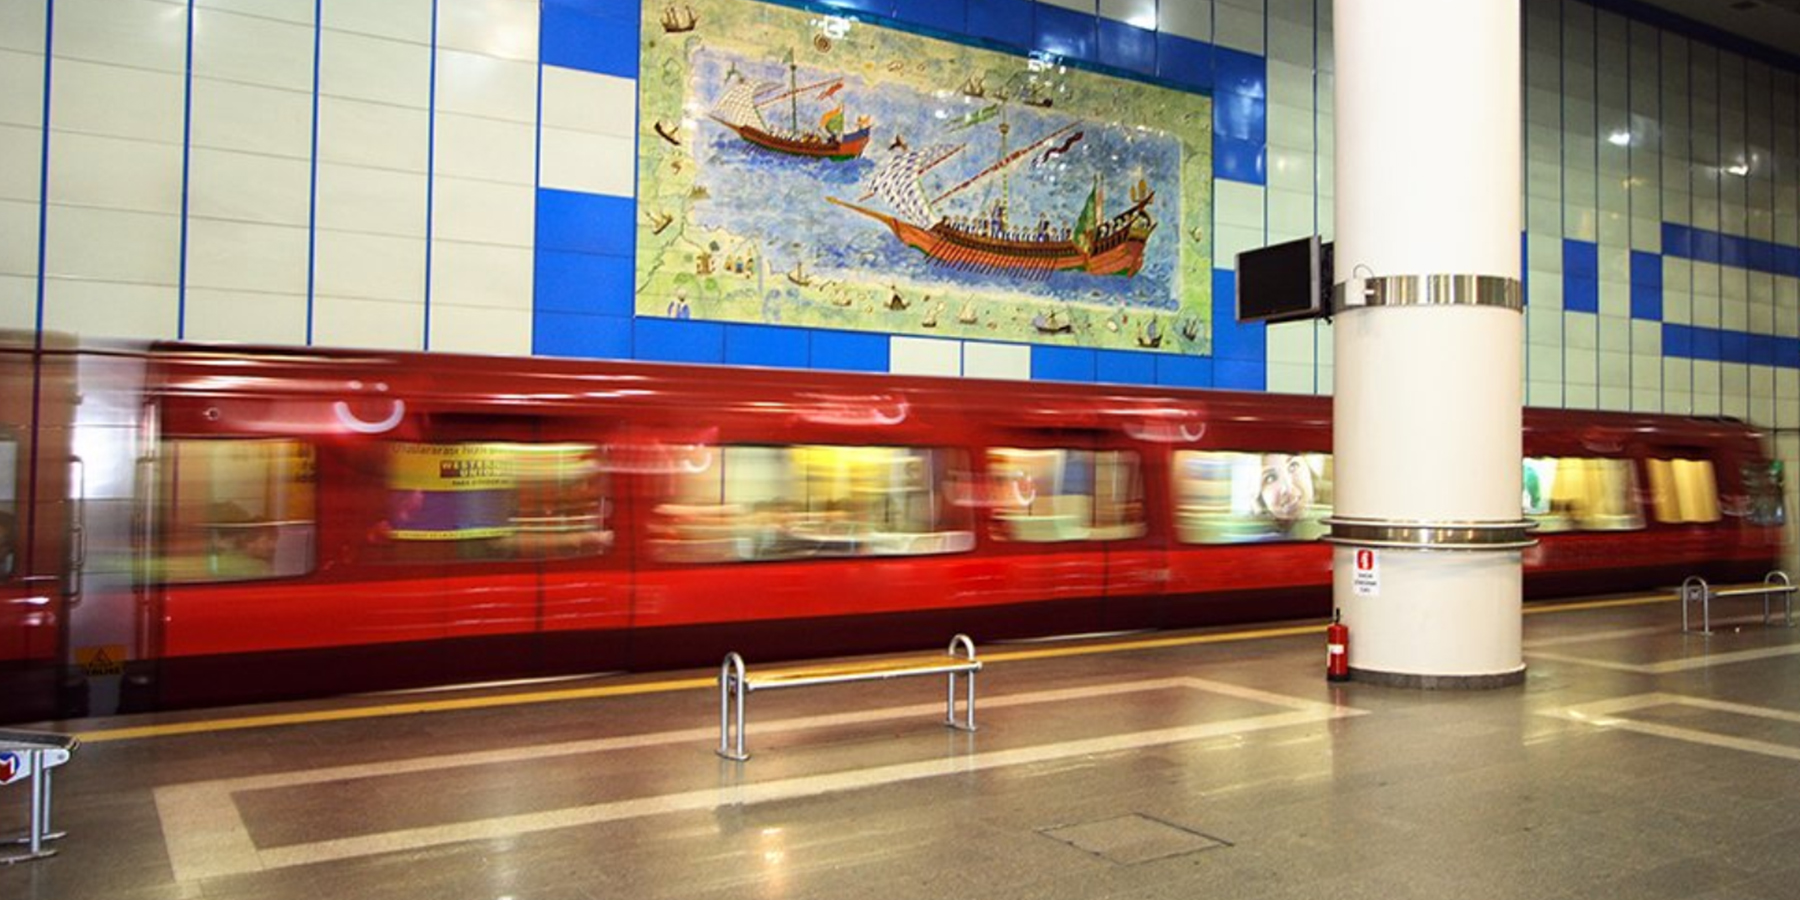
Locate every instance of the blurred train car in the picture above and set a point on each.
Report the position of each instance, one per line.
(257, 523)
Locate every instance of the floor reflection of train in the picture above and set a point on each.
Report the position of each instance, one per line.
(200, 525)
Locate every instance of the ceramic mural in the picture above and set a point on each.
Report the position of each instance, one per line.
(806, 169)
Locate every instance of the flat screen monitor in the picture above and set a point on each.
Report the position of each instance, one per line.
(1284, 282)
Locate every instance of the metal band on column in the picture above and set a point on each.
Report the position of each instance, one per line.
(1464, 536)
(1427, 290)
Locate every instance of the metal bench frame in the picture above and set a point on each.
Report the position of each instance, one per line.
(735, 683)
(38, 752)
(1696, 588)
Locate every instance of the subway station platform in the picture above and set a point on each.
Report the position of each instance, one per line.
(1635, 762)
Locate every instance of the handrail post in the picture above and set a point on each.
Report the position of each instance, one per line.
(731, 687)
(967, 646)
(1696, 588)
(1780, 578)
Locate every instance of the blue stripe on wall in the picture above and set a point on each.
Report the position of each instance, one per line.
(590, 35)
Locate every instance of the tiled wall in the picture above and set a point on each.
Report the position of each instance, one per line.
(459, 175)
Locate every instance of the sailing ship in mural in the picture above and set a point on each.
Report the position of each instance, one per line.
(741, 107)
(988, 239)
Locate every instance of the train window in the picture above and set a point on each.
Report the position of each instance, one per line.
(1068, 495)
(1684, 490)
(1230, 497)
(1763, 482)
(1581, 493)
(495, 500)
(234, 510)
(809, 501)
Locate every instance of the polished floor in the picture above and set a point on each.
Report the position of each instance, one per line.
(1635, 762)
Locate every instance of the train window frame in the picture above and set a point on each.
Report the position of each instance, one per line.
(1765, 489)
(233, 538)
(489, 466)
(12, 451)
(1042, 508)
(1203, 518)
(714, 515)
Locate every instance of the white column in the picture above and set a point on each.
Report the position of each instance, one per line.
(1427, 434)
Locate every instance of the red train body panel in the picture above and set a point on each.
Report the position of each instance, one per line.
(372, 599)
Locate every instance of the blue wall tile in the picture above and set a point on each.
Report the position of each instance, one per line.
(1124, 367)
(1706, 343)
(1184, 371)
(680, 340)
(1646, 268)
(1676, 240)
(592, 36)
(586, 223)
(875, 7)
(1247, 342)
(850, 351)
(1646, 301)
(1237, 72)
(583, 336)
(583, 282)
(1127, 47)
(1581, 294)
(1678, 340)
(766, 345)
(1062, 364)
(1787, 352)
(1234, 374)
(1184, 61)
(948, 16)
(1006, 22)
(1240, 116)
(1581, 259)
(1066, 33)
(1238, 160)
(1734, 346)
(1762, 349)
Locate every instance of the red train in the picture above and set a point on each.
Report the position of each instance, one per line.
(197, 525)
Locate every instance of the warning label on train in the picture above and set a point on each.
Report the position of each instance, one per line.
(1367, 580)
(107, 659)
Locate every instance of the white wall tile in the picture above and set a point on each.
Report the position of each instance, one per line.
(924, 356)
(1290, 169)
(91, 170)
(1237, 27)
(1646, 400)
(19, 222)
(380, 201)
(22, 103)
(503, 28)
(369, 266)
(1547, 394)
(484, 212)
(241, 256)
(112, 100)
(1646, 337)
(479, 85)
(1236, 203)
(249, 187)
(374, 135)
(300, 11)
(18, 302)
(353, 322)
(141, 34)
(378, 70)
(1290, 378)
(589, 101)
(1230, 240)
(590, 163)
(109, 309)
(1291, 343)
(253, 118)
(400, 20)
(251, 49)
(495, 332)
(245, 316)
(490, 275)
(1187, 18)
(1140, 13)
(1003, 361)
(489, 149)
(1087, 6)
(141, 248)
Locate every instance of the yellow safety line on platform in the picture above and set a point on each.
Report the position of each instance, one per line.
(208, 726)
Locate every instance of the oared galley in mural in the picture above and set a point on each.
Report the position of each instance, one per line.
(806, 169)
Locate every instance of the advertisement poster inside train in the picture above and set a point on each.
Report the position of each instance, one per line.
(804, 169)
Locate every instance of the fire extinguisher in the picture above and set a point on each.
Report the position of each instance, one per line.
(1337, 649)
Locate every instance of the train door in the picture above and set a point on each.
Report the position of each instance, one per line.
(36, 396)
(1065, 499)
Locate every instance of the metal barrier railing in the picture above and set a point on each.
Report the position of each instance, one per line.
(1695, 588)
(32, 754)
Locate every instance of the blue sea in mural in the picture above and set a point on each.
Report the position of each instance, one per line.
(776, 203)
